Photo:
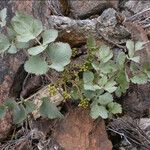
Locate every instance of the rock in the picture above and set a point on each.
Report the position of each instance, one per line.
(133, 132)
(85, 8)
(9, 66)
(44, 92)
(144, 124)
(76, 31)
(136, 6)
(24, 145)
(78, 131)
(137, 11)
(108, 26)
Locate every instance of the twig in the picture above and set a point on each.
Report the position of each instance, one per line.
(121, 134)
(137, 15)
(111, 42)
(147, 25)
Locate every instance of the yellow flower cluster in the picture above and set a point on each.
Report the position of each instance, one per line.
(52, 90)
(84, 67)
(74, 52)
(66, 95)
(84, 103)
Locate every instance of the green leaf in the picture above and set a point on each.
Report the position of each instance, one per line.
(29, 106)
(26, 27)
(148, 73)
(97, 111)
(110, 86)
(89, 94)
(105, 54)
(12, 49)
(88, 77)
(140, 79)
(91, 43)
(36, 65)
(60, 54)
(121, 59)
(49, 36)
(133, 67)
(4, 43)
(108, 67)
(118, 92)
(122, 80)
(10, 103)
(91, 87)
(2, 111)
(114, 108)
(49, 110)
(130, 47)
(3, 15)
(139, 45)
(12, 37)
(22, 45)
(74, 93)
(37, 50)
(105, 99)
(19, 114)
(135, 59)
(103, 80)
(99, 92)
(96, 66)
(11, 34)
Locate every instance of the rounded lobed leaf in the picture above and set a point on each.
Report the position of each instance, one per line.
(49, 110)
(140, 78)
(49, 36)
(12, 49)
(110, 86)
(130, 47)
(29, 106)
(27, 28)
(36, 65)
(105, 99)
(37, 50)
(4, 43)
(139, 45)
(121, 59)
(88, 77)
(60, 54)
(19, 114)
(91, 43)
(3, 15)
(97, 111)
(105, 54)
(114, 108)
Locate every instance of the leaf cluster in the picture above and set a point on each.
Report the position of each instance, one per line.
(23, 108)
(25, 30)
(95, 82)
(109, 76)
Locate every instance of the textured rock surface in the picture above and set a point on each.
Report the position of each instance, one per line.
(77, 131)
(85, 8)
(8, 68)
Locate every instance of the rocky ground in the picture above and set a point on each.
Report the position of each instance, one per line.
(109, 21)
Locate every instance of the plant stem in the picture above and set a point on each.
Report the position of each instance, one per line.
(38, 41)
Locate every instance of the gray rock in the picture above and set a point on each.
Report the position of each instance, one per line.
(108, 18)
(85, 8)
(108, 27)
